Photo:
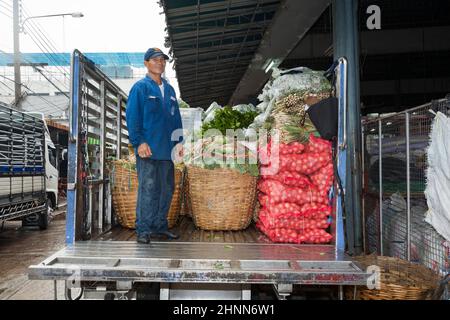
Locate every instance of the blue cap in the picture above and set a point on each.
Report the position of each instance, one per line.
(153, 53)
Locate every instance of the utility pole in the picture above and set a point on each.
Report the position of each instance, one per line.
(17, 79)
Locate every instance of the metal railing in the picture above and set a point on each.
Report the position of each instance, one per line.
(394, 181)
(21, 142)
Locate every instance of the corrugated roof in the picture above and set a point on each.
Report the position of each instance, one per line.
(213, 42)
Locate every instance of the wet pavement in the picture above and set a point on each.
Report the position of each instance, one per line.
(21, 247)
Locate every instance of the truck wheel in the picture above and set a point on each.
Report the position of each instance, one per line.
(43, 216)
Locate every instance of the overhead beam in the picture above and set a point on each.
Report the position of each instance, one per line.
(189, 50)
(193, 61)
(212, 91)
(217, 28)
(206, 83)
(214, 51)
(224, 74)
(234, 13)
(211, 38)
(211, 7)
(217, 31)
(223, 63)
(297, 16)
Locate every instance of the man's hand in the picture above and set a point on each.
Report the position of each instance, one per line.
(144, 150)
(179, 153)
(180, 150)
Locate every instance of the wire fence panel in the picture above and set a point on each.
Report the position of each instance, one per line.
(395, 163)
(371, 187)
(393, 177)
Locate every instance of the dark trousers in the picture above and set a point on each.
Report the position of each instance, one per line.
(155, 191)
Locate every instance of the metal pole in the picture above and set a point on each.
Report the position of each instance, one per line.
(341, 237)
(345, 44)
(408, 187)
(362, 188)
(102, 186)
(380, 172)
(17, 79)
(55, 284)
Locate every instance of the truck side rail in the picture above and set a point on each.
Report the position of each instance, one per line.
(98, 133)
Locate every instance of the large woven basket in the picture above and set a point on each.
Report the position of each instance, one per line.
(186, 206)
(222, 199)
(399, 280)
(175, 206)
(124, 194)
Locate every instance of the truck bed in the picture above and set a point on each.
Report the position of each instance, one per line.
(189, 233)
(200, 256)
(196, 262)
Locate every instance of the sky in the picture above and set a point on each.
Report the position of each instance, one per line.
(107, 26)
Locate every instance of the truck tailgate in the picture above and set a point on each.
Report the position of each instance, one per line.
(200, 262)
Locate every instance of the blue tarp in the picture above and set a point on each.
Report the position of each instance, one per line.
(135, 59)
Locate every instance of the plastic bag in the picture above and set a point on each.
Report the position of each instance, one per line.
(286, 82)
(262, 118)
(243, 108)
(437, 190)
(210, 112)
(262, 106)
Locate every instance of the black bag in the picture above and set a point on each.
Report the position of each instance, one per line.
(324, 116)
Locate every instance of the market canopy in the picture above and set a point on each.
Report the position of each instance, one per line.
(215, 43)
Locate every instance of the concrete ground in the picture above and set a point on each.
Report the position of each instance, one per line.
(21, 247)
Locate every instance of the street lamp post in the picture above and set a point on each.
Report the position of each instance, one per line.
(72, 14)
(17, 28)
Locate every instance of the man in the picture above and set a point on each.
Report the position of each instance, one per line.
(152, 116)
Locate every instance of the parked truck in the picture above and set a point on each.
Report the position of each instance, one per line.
(28, 174)
(99, 263)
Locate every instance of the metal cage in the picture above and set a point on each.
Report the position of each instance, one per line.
(394, 181)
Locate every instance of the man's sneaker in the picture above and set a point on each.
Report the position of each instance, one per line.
(143, 239)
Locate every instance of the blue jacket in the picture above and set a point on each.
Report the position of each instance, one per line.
(152, 119)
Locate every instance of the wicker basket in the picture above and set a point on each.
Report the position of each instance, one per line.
(186, 206)
(175, 206)
(124, 194)
(222, 199)
(399, 280)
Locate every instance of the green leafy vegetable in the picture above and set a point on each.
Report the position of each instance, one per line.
(182, 104)
(227, 118)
